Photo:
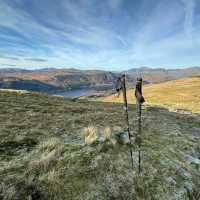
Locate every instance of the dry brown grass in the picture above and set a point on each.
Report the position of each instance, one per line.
(43, 162)
(177, 94)
(90, 134)
(107, 133)
(50, 151)
(50, 144)
(55, 183)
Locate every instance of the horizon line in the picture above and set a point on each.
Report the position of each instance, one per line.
(97, 69)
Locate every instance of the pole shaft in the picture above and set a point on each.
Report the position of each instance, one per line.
(139, 134)
(126, 114)
(139, 101)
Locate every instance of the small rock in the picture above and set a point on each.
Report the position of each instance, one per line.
(123, 138)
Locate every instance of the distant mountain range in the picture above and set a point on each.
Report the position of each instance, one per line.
(157, 75)
(52, 80)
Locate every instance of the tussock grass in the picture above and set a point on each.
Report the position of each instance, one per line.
(90, 134)
(43, 163)
(49, 151)
(50, 144)
(93, 134)
(55, 183)
(107, 133)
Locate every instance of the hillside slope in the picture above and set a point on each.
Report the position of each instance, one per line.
(43, 156)
(177, 94)
(25, 84)
(51, 80)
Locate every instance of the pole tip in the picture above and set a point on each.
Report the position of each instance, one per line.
(139, 79)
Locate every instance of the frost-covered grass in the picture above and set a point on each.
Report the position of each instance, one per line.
(43, 154)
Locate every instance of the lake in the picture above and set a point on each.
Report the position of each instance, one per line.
(75, 92)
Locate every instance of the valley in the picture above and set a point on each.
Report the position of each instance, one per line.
(52, 80)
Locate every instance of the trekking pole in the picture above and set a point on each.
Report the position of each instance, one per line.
(140, 139)
(139, 101)
(123, 79)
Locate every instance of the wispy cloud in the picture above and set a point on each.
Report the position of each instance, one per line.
(7, 65)
(189, 7)
(98, 34)
(9, 57)
(36, 59)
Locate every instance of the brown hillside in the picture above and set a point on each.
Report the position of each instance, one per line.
(177, 94)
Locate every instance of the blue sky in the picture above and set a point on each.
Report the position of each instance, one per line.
(102, 34)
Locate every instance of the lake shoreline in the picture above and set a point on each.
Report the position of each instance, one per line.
(83, 91)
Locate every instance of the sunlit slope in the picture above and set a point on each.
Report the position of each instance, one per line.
(13, 90)
(177, 94)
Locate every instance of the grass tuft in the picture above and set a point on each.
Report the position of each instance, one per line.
(50, 144)
(90, 135)
(107, 133)
(54, 182)
(51, 151)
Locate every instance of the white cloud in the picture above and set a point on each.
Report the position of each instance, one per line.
(83, 34)
(189, 6)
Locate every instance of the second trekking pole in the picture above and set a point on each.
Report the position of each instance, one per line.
(123, 80)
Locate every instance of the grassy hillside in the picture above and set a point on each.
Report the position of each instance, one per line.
(177, 94)
(43, 155)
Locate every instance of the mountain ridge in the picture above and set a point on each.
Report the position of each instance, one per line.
(66, 79)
